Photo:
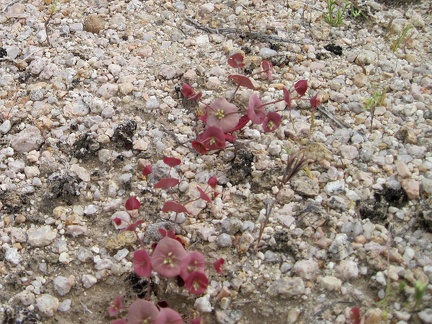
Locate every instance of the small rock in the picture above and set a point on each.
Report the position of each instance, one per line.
(12, 255)
(224, 240)
(26, 297)
(412, 188)
(231, 225)
(108, 90)
(402, 169)
(76, 230)
(307, 269)
(426, 315)
(341, 247)
(41, 236)
(167, 71)
(81, 172)
(203, 304)
(47, 304)
(88, 280)
(287, 287)
(207, 8)
(62, 285)
(347, 269)
(29, 139)
(331, 283)
(334, 187)
(266, 52)
(427, 186)
(65, 305)
(305, 186)
(93, 24)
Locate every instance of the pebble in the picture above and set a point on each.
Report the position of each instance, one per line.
(306, 269)
(62, 285)
(347, 269)
(341, 247)
(330, 283)
(305, 186)
(88, 280)
(29, 139)
(203, 305)
(47, 304)
(266, 53)
(224, 240)
(287, 287)
(41, 236)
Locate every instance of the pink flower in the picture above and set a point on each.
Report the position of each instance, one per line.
(142, 311)
(167, 257)
(271, 122)
(222, 114)
(218, 264)
(115, 306)
(196, 283)
(267, 67)
(213, 138)
(142, 263)
(168, 316)
(194, 261)
(256, 112)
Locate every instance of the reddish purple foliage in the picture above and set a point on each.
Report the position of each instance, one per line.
(132, 203)
(142, 263)
(171, 161)
(193, 261)
(196, 283)
(170, 206)
(267, 67)
(195, 321)
(218, 264)
(256, 112)
(242, 123)
(166, 183)
(132, 227)
(142, 311)
(167, 257)
(314, 101)
(236, 60)
(301, 87)
(271, 122)
(119, 321)
(189, 93)
(287, 97)
(242, 81)
(203, 195)
(355, 317)
(212, 182)
(147, 170)
(199, 146)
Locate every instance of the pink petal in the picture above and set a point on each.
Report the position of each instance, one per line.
(196, 283)
(271, 122)
(168, 316)
(218, 264)
(142, 263)
(193, 261)
(167, 257)
(142, 310)
(255, 111)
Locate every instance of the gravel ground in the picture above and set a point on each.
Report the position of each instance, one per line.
(88, 97)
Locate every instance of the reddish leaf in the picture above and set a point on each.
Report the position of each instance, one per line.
(187, 90)
(115, 306)
(229, 138)
(171, 161)
(119, 321)
(355, 316)
(314, 101)
(301, 87)
(175, 207)
(162, 231)
(256, 112)
(287, 97)
(212, 182)
(218, 264)
(147, 170)
(267, 66)
(242, 123)
(203, 195)
(195, 321)
(117, 221)
(167, 183)
(133, 227)
(236, 60)
(243, 81)
(132, 203)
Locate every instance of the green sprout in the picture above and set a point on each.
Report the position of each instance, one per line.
(374, 101)
(419, 292)
(402, 38)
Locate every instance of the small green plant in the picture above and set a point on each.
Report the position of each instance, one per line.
(52, 11)
(419, 292)
(335, 14)
(402, 38)
(374, 101)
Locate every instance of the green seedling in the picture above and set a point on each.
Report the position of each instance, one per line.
(402, 38)
(335, 14)
(419, 292)
(374, 101)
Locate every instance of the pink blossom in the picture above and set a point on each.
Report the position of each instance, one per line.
(167, 257)
(142, 263)
(196, 283)
(256, 112)
(194, 261)
(271, 122)
(213, 138)
(168, 316)
(142, 311)
(222, 114)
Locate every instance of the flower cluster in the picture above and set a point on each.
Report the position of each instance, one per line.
(167, 258)
(222, 118)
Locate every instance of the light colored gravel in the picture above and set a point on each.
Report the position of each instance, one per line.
(82, 114)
